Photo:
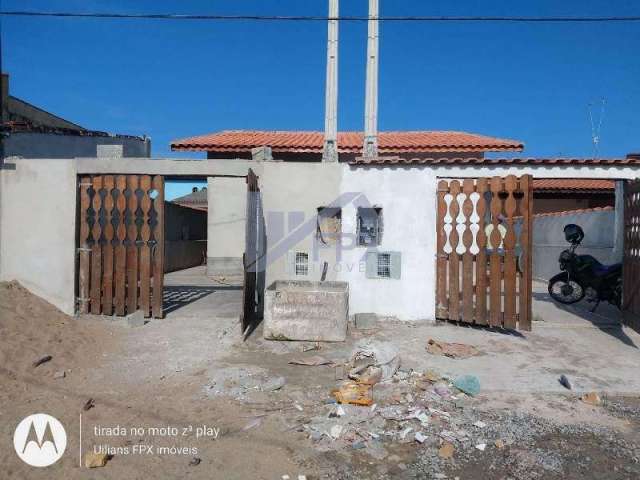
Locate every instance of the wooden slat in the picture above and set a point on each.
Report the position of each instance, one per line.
(96, 251)
(495, 260)
(107, 248)
(481, 257)
(525, 293)
(132, 247)
(120, 250)
(511, 185)
(84, 261)
(454, 258)
(467, 257)
(158, 252)
(442, 301)
(145, 254)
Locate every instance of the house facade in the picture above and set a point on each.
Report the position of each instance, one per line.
(32, 132)
(388, 210)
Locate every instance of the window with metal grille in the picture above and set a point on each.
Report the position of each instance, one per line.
(369, 225)
(302, 263)
(384, 265)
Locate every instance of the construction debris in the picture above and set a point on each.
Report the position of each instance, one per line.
(446, 451)
(41, 360)
(591, 398)
(95, 460)
(420, 438)
(312, 361)
(373, 362)
(452, 350)
(564, 381)
(468, 384)
(354, 393)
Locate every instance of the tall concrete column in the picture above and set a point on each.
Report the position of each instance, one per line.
(330, 150)
(370, 147)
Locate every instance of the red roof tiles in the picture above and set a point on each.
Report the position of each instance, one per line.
(494, 161)
(348, 142)
(573, 185)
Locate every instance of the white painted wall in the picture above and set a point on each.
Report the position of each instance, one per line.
(38, 228)
(407, 197)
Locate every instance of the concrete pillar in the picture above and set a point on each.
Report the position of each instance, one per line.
(370, 147)
(227, 198)
(330, 150)
(618, 234)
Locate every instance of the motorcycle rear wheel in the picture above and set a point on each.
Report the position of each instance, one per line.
(565, 291)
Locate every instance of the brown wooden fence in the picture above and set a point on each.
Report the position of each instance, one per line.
(121, 244)
(484, 251)
(631, 259)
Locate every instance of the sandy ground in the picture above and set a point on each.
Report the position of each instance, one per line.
(191, 372)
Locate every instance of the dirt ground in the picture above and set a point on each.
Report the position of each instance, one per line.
(190, 388)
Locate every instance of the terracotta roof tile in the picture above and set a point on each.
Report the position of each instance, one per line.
(583, 185)
(571, 212)
(494, 161)
(348, 142)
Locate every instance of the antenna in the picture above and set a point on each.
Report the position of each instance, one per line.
(596, 127)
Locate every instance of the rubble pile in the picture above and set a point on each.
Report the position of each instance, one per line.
(424, 409)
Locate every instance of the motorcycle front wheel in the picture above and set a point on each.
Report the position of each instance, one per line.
(565, 291)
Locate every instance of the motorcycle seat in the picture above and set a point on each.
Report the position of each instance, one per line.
(606, 269)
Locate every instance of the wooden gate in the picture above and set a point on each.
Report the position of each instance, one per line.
(484, 251)
(121, 244)
(631, 257)
(250, 294)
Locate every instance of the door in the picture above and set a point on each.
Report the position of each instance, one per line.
(484, 232)
(631, 257)
(121, 244)
(253, 273)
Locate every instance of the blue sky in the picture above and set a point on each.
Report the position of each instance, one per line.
(169, 79)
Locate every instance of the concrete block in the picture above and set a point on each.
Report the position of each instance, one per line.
(136, 319)
(304, 310)
(365, 321)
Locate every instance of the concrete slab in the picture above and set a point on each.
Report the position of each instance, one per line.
(191, 293)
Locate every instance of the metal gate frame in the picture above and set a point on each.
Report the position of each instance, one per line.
(252, 258)
(472, 216)
(121, 244)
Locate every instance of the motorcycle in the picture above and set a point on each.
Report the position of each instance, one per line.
(584, 276)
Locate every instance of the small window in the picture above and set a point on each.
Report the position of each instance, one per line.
(384, 265)
(329, 227)
(369, 226)
(302, 264)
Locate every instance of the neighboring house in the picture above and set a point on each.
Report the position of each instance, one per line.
(302, 146)
(561, 195)
(32, 132)
(197, 199)
(227, 220)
